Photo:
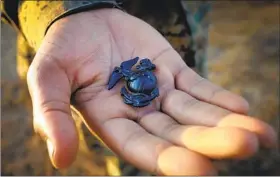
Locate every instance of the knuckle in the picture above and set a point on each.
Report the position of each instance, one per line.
(54, 105)
(169, 99)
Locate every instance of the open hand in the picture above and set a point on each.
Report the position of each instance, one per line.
(191, 122)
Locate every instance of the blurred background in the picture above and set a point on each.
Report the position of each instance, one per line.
(243, 56)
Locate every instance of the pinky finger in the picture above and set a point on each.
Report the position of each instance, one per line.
(151, 153)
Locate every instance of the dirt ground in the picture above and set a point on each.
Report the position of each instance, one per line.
(243, 57)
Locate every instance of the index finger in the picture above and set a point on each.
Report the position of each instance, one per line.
(187, 80)
(190, 82)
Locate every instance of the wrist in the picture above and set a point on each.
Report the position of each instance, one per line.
(36, 17)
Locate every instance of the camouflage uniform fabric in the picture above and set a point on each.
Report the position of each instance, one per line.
(198, 19)
(183, 24)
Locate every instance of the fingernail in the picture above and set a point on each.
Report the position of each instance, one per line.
(50, 149)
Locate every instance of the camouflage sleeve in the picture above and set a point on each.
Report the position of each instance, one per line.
(197, 13)
(33, 18)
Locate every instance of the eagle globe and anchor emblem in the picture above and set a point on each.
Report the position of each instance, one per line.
(141, 83)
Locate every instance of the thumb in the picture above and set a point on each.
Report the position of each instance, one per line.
(50, 92)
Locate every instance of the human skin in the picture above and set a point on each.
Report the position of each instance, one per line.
(191, 122)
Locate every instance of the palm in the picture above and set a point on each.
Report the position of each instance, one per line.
(173, 135)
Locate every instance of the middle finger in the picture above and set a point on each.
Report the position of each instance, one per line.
(187, 110)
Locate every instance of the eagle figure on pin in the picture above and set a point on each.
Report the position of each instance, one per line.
(141, 84)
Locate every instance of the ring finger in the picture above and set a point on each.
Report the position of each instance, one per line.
(213, 142)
